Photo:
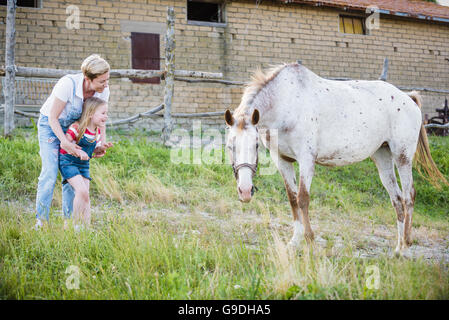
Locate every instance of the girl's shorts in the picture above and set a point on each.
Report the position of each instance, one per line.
(71, 166)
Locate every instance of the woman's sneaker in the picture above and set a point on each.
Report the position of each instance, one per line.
(39, 224)
(78, 228)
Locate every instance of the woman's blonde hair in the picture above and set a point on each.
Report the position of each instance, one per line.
(90, 106)
(94, 66)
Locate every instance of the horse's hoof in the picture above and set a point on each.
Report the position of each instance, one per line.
(408, 242)
(293, 246)
(310, 238)
(402, 252)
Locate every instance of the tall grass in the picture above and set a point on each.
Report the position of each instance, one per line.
(126, 257)
(166, 231)
(134, 161)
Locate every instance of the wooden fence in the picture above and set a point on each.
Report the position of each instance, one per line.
(10, 71)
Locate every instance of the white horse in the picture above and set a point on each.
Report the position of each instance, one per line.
(331, 123)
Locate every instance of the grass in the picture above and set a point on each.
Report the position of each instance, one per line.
(176, 231)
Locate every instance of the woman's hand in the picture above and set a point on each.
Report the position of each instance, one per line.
(72, 148)
(65, 143)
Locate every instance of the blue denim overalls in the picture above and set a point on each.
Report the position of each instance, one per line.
(49, 152)
(71, 166)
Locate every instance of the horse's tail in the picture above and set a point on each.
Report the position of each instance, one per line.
(423, 159)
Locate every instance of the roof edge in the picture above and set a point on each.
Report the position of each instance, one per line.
(356, 7)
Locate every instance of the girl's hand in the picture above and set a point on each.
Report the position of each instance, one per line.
(101, 150)
(83, 155)
(108, 145)
(98, 153)
(71, 148)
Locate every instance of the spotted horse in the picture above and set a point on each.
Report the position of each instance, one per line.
(330, 123)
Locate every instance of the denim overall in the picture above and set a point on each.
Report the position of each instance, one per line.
(71, 166)
(49, 152)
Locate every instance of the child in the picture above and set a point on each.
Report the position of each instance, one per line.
(86, 133)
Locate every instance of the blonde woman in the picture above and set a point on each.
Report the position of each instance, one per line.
(86, 134)
(62, 108)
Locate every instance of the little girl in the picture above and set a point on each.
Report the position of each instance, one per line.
(86, 133)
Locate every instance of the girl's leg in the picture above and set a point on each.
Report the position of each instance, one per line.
(81, 200)
(49, 152)
(87, 212)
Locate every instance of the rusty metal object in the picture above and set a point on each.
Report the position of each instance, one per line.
(441, 119)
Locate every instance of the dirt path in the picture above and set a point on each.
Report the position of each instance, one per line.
(367, 240)
(372, 242)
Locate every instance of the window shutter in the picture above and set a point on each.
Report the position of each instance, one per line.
(342, 25)
(145, 54)
(349, 28)
(352, 25)
(358, 26)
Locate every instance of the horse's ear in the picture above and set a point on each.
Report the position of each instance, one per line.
(255, 118)
(229, 118)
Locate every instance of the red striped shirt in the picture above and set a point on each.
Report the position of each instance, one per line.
(73, 132)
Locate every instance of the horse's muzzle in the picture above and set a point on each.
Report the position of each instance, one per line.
(246, 196)
(253, 189)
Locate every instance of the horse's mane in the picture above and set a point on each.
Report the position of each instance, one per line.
(258, 81)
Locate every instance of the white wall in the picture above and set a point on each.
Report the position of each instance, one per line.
(443, 2)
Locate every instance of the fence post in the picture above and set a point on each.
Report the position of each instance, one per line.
(170, 74)
(10, 74)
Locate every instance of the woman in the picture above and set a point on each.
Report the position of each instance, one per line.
(62, 108)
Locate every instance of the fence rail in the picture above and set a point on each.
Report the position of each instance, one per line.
(439, 126)
(204, 77)
(30, 72)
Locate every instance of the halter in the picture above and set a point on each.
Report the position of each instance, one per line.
(253, 168)
(236, 169)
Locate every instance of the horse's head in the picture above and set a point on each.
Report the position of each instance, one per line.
(243, 148)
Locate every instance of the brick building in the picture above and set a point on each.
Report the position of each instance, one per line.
(235, 37)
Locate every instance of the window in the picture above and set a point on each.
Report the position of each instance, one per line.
(145, 54)
(205, 11)
(23, 3)
(352, 25)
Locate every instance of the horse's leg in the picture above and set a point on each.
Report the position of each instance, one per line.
(287, 172)
(306, 171)
(404, 165)
(403, 155)
(383, 159)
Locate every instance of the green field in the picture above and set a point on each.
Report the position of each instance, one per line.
(177, 231)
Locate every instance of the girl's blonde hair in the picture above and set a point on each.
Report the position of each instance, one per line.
(94, 66)
(90, 106)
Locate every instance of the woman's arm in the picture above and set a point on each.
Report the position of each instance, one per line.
(71, 137)
(55, 112)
